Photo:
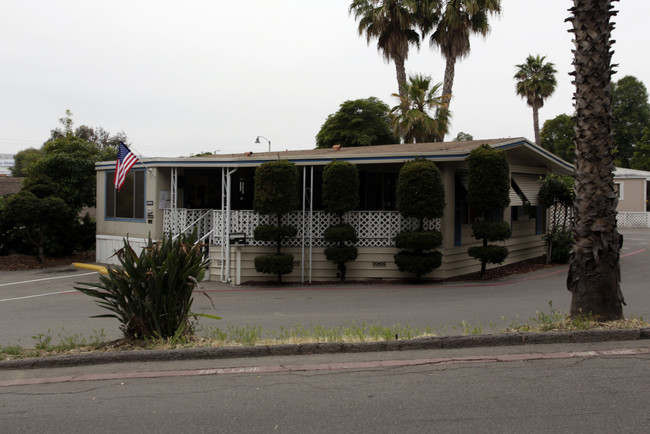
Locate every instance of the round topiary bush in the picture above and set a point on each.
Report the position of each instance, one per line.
(417, 263)
(274, 264)
(418, 240)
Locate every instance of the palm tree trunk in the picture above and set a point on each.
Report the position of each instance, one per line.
(594, 274)
(538, 140)
(401, 74)
(448, 82)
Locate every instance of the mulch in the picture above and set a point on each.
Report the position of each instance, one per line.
(17, 262)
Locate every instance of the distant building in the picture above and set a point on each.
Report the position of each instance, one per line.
(6, 163)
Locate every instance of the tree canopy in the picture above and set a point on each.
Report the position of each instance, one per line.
(457, 22)
(641, 158)
(535, 82)
(421, 115)
(393, 23)
(359, 122)
(557, 136)
(631, 112)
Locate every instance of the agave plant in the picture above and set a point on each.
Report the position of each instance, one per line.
(151, 294)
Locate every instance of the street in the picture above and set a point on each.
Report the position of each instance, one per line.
(532, 389)
(577, 388)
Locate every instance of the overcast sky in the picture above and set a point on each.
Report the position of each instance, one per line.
(183, 77)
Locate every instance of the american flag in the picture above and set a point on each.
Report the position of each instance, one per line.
(125, 160)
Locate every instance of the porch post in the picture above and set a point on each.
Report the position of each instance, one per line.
(447, 220)
(227, 225)
(307, 219)
(174, 195)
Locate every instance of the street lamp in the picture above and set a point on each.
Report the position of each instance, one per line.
(257, 140)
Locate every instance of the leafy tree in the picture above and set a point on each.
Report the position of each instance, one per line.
(459, 20)
(46, 223)
(420, 195)
(340, 195)
(489, 192)
(557, 136)
(594, 273)
(393, 23)
(641, 158)
(99, 137)
(69, 162)
(276, 194)
(23, 160)
(412, 118)
(360, 122)
(463, 137)
(535, 82)
(631, 112)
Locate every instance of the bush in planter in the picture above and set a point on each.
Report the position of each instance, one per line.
(489, 192)
(276, 187)
(340, 195)
(420, 195)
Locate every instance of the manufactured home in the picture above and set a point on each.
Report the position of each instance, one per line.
(214, 194)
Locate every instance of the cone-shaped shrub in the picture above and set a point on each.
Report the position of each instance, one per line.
(489, 192)
(340, 195)
(420, 195)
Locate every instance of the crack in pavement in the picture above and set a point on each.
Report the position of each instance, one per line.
(329, 367)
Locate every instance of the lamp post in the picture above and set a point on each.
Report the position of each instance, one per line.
(257, 140)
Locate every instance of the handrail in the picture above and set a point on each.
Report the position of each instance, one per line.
(192, 224)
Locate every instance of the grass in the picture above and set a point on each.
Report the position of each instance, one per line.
(553, 321)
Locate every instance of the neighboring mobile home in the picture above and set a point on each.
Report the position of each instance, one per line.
(215, 194)
(633, 189)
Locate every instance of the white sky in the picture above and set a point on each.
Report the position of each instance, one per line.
(187, 76)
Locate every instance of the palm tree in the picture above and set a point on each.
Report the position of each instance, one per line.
(411, 119)
(392, 23)
(455, 24)
(594, 274)
(535, 82)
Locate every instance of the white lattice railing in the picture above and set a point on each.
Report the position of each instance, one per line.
(633, 219)
(374, 228)
(185, 220)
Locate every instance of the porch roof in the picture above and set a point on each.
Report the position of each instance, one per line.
(439, 152)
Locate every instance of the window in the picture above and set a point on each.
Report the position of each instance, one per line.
(129, 202)
(618, 189)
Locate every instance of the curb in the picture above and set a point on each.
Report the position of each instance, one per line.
(444, 342)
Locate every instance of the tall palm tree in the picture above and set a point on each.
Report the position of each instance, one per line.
(594, 274)
(412, 119)
(392, 23)
(535, 82)
(454, 25)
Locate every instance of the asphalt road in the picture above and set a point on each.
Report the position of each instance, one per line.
(41, 303)
(576, 388)
(540, 389)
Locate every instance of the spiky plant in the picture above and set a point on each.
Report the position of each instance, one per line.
(151, 293)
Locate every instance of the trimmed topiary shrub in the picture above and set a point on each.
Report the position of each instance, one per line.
(340, 195)
(276, 188)
(420, 195)
(489, 191)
